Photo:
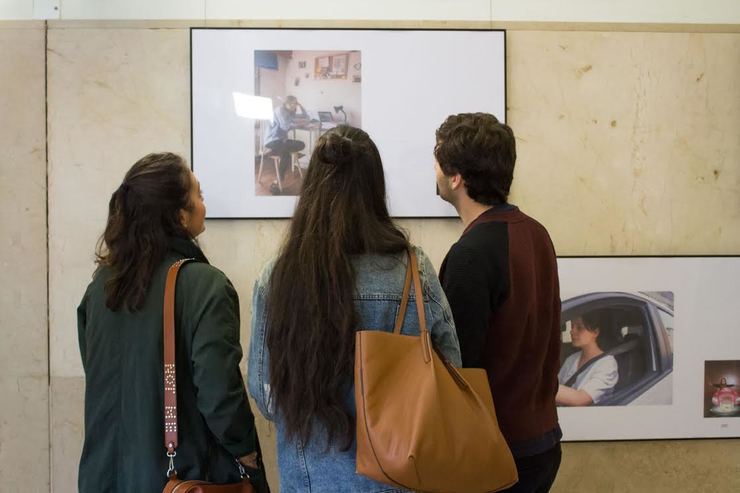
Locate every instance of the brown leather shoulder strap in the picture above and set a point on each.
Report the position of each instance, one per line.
(419, 294)
(170, 374)
(412, 273)
(404, 298)
(426, 341)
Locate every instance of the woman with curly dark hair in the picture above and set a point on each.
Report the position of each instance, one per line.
(153, 219)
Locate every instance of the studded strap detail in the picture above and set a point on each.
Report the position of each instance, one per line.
(170, 373)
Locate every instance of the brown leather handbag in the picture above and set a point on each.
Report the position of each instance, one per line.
(423, 424)
(175, 485)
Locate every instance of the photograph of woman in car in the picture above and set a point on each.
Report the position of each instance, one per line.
(590, 374)
(617, 347)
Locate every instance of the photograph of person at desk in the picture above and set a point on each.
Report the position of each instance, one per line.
(311, 92)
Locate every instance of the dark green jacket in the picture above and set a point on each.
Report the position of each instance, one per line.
(122, 356)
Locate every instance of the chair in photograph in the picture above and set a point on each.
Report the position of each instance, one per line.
(295, 162)
(265, 152)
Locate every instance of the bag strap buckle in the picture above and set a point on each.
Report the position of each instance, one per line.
(171, 467)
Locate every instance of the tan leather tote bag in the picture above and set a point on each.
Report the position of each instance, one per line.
(423, 424)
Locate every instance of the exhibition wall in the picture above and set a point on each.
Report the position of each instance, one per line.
(627, 145)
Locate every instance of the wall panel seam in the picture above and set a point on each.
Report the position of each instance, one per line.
(48, 263)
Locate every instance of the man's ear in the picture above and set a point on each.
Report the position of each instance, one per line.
(456, 181)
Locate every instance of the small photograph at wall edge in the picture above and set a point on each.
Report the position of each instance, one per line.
(722, 389)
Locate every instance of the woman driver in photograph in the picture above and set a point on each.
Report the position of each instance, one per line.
(598, 379)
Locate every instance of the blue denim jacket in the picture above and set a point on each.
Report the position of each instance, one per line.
(308, 467)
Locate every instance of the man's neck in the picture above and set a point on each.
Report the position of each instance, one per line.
(469, 210)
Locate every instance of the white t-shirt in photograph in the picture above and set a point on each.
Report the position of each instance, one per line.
(597, 381)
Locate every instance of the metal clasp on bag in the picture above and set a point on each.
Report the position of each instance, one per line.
(171, 469)
(242, 471)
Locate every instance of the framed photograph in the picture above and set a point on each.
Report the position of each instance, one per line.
(657, 343)
(322, 67)
(722, 389)
(631, 334)
(281, 157)
(252, 88)
(339, 66)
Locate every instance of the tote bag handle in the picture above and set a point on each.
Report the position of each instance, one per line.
(412, 273)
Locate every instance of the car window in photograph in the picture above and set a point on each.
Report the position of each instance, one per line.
(667, 320)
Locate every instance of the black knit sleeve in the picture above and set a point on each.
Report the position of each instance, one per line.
(465, 284)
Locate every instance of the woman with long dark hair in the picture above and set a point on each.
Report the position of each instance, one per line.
(341, 268)
(153, 219)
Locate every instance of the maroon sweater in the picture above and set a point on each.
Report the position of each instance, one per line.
(501, 280)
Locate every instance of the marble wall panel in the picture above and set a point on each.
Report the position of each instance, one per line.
(67, 431)
(24, 433)
(666, 466)
(24, 413)
(114, 96)
(628, 142)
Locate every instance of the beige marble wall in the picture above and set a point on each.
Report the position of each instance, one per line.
(668, 466)
(114, 95)
(627, 145)
(628, 142)
(24, 370)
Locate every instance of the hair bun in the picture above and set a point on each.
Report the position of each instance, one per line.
(335, 149)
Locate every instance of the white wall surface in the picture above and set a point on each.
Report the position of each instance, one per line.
(639, 11)
(16, 9)
(663, 11)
